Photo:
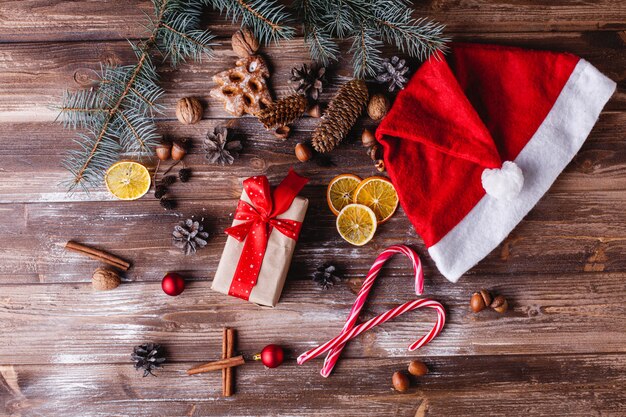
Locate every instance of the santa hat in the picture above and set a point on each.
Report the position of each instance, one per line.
(477, 138)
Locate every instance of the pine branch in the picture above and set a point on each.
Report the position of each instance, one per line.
(267, 19)
(366, 23)
(118, 115)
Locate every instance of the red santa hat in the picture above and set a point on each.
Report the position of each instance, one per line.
(476, 139)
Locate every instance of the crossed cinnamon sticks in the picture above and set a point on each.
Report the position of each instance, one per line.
(227, 363)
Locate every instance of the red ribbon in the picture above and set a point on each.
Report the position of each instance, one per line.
(258, 220)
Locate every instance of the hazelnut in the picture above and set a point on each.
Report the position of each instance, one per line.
(378, 107)
(380, 165)
(480, 300)
(244, 43)
(418, 368)
(368, 138)
(282, 132)
(164, 151)
(303, 152)
(500, 304)
(315, 111)
(189, 110)
(178, 151)
(400, 381)
(105, 279)
(374, 152)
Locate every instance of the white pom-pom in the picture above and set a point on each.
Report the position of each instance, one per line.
(504, 183)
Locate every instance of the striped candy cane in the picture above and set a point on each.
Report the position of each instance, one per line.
(350, 331)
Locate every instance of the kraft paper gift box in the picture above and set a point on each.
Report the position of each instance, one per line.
(275, 262)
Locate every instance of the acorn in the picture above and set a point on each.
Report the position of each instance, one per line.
(179, 151)
(164, 151)
(418, 368)
(380, 165)
(189, 110)
(104, 279)
(303, 152)
(315, 111)
(282, 132)
(400, 381)
(500, 304)
(480, 300)
(368, 138)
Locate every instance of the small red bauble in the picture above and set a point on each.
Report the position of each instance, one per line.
(271, 356)
(173, 284)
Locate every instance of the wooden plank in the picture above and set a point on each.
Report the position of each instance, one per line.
(32, 154)
(46, 20)
(65, 324)
(563, 385)
(566, 233)
(35, 75)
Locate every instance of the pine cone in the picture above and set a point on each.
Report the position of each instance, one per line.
(310, 80)
(343, 111)
(283, 111)
(392, 73)
(219, 150)
(325, 276)
(148, 357)
(189, 236)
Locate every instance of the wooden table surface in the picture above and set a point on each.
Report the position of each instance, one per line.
(64, 349)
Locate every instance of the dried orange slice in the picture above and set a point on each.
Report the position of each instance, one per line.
(356, 224)
(340, 191)
(379, 194)
(127, 180)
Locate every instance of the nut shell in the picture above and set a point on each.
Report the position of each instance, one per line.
(244, 43)
(164, 151)
(400, 381)
(189, 110)
(178, 151)
(368, 138)
(315, 111)
(282, 132)
(378, 107)
(500, 304)
(380, 165)
(303, 152)
(104, 279)
(418, 368)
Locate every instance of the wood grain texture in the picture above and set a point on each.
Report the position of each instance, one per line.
(44, 20)
(468, 386)
(559, 351)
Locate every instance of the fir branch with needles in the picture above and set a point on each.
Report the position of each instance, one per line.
(118, 115)
(368, 23)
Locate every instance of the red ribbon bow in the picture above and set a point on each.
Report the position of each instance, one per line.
(258, 220)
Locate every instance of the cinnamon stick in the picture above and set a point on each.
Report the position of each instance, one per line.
(224, 356)
(98, 255)
(228, 373)
(214, 366)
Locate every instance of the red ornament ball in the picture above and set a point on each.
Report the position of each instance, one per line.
(173, 284)
(272, 356)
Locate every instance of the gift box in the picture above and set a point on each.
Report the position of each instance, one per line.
(261, 240)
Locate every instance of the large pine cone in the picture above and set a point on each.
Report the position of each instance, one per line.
(342, 113)
(283, 111)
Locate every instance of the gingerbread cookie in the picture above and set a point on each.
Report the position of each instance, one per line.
(243, 89)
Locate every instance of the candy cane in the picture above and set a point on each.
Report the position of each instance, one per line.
(350, 331)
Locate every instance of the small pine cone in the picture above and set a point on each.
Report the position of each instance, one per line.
(283, 111)
(343, 111)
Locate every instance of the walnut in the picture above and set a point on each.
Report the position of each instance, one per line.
(189, 110)
(244, 43)
(378, 107)
(105, 279)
